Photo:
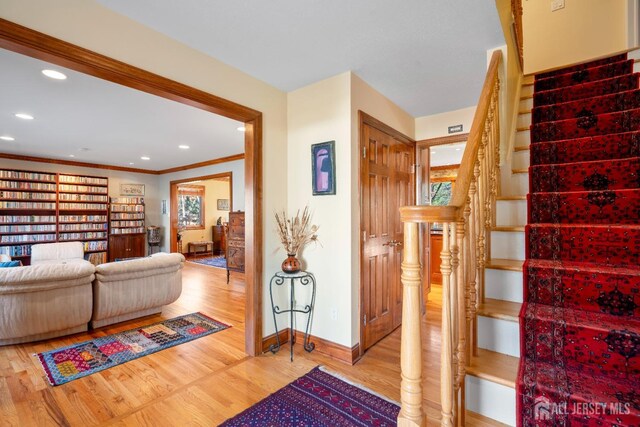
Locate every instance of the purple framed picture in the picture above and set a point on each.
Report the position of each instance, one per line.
(323, 168)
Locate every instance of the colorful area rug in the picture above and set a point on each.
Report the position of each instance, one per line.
(580, 323)
(79, 360)
(218, 261)
(319, 399)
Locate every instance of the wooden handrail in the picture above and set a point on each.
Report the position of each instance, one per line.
(467, 221)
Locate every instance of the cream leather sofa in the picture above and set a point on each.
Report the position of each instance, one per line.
(45, 301)
(57, 253)
(128, 289)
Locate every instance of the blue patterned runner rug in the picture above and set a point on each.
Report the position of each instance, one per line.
(79, 360)
(319, 399)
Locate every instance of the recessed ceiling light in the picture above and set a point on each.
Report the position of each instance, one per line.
(183, 147)
(457, 149)
(131, 163)
(241, 129)
(24, 116)
(53, 74)
(433, 152)
(7, 138)
(72, 155)
(145, 158)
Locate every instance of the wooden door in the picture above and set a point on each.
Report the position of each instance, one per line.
(387, 184)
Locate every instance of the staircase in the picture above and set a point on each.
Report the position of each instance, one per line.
(580, 322)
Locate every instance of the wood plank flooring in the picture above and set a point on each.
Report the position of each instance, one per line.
(199, 383)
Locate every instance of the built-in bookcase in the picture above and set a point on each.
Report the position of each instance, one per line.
(37, 207)
(127, 215)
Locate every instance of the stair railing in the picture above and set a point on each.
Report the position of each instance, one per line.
(467, 222)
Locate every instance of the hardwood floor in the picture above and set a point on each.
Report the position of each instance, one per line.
(202, 382)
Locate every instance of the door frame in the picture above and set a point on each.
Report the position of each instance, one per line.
(38, 45)
(368, 120)
(173, 202)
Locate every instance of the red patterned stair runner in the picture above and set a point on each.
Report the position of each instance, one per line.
(580, 323)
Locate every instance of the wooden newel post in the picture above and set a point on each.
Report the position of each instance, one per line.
(411, 413)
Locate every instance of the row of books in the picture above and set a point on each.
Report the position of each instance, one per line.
(128, 200)
(16, 219)
(82, 227)
(32, 176)
(127, 230)
(96, 258)
(20, 185)
(25, 238)
(82, 189)
(83, 236)
(27, 228)
(27, 205)
(95, 246)
(127, 208)
(16, 251)
(127, 216)
(26, 196)
(83, 206)
(82, 218)
(83, 197)
(73, 179)
(138, 223)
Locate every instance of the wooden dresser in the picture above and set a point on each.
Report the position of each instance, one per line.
(235, 243)
(219, 239)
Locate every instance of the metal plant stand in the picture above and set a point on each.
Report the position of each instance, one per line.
(305, 279)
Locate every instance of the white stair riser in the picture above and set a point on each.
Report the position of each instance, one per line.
(527, 90)
(511, 213)
(516, 184)
(526, 104)
(523, 138)
(507, 244)
(491, 400)
(634, 54)
(520, 159)
(636, 67)
(503, 285)
(524, 120)
(501, 336)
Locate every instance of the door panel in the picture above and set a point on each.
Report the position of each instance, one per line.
(387, 184)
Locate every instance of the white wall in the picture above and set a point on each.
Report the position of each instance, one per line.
(90, 25)
(151, 197)
(435, 126)
(318, 113)
(237, 177)
(582, 31)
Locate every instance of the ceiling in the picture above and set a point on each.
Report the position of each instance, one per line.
(87, 119)
(449, 154)
(427, 56)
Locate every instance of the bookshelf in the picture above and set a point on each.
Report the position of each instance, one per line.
(28, 203)
(39, 207)
(127, 232)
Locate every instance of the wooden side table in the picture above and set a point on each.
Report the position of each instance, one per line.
(200, 244)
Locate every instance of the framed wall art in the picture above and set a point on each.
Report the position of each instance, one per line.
(132, 189)
(323, 168)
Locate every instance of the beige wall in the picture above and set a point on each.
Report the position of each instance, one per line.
(435, 125)
(582, 31)
(90, 25)
(213, 190)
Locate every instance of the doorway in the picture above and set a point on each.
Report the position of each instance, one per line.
(38, 45)
(387, 182)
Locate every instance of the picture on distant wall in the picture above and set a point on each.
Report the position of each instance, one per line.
(132, 189)
(223, 204)
(323, 168)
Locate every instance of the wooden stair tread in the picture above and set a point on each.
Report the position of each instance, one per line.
(508, 228)
(522, 129)
(496, 367)
(505, 264)
(511, 198)
(521, 148)
(521, 112)
(519, 171)
(525, 97)
(500, 309)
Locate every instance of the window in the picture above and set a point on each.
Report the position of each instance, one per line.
(190, 206)
(440, 193)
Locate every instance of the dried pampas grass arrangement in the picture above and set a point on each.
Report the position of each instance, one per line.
(296, 232)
